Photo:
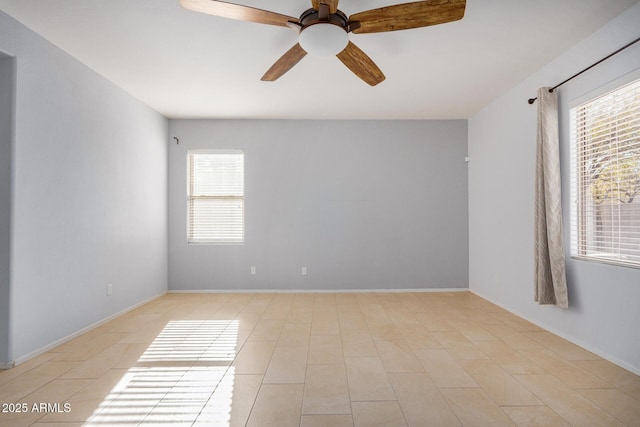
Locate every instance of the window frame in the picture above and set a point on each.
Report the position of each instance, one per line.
(577, 173)
(190, 197)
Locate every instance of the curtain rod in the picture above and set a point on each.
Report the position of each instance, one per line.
(532, 100)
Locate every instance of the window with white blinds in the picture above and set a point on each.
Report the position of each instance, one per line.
(215, 205)
(605, 219)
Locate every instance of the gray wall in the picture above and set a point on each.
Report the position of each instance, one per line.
(89, 195)
(361, 204)
(6, 126)
(603, 315)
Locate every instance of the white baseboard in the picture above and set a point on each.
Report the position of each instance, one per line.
(311, 291)
(76, 334)
(597, 351)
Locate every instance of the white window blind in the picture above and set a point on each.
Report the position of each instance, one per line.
(215, 196)
(605, 219)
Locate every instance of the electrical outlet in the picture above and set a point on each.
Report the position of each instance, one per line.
(253, 270)
(303, 270)
(109, 289)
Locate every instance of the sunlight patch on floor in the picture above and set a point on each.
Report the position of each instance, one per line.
(183, 377)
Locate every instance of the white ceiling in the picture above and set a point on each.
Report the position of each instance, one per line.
(190, 65)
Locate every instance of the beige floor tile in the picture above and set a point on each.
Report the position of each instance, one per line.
(247, 320)
(443, 369)
(30, 381)
(534, 416)
(405, 320)
(631, 388)
(384, 331)
(474, 408)
(131, 355)
(432, 322)
(510, 359)
(420, 339)
(325, 323)
(97, 365)
(377, 414)
(616, 403)
(169, 363)
(88, 400)
(227, 311)
(607, 371)
(267, 330)
(450, 313)
(516, 322)
(346, 299)
(23, 368)
(397, 356)
(133, 322)
(413, 302)
(458, 346)
(325, 350)
(196, 383)
(498, 384)
(421, 402)
(231, 403)
(277, 405)
(500, 330)
(254, 357)
(295, 334)
(326, 421)
(326, 390)
(57, 391)
(561, 346)
(568, 372)
(244, 392)
(390, 302)
(352, 321)
(521, 342)
(566, 402)
(483, 317)
(288, 366)
(277, 310)
(324, 301)
(358, 344)
(178, 414)
(347, 304)
(258, 303)
(78, 351)
(472, 331)
(367, 379)
(613, 374)
(372, 309)
(303, 301)
(299, 314)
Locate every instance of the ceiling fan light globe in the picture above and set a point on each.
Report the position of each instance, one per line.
(323, 39)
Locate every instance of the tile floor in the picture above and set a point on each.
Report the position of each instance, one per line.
(363, 359)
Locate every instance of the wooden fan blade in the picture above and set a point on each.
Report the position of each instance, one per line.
(285, 63)
(236, 11)
(409, 15)
(360, 64)
(333, 5)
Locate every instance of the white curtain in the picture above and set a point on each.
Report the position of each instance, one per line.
(550, 276)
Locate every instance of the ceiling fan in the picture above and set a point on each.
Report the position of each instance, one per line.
(324, 29)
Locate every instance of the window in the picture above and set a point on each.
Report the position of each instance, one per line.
(215, 195)
(605, 134)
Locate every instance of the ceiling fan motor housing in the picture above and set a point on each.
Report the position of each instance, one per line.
(324, 34)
